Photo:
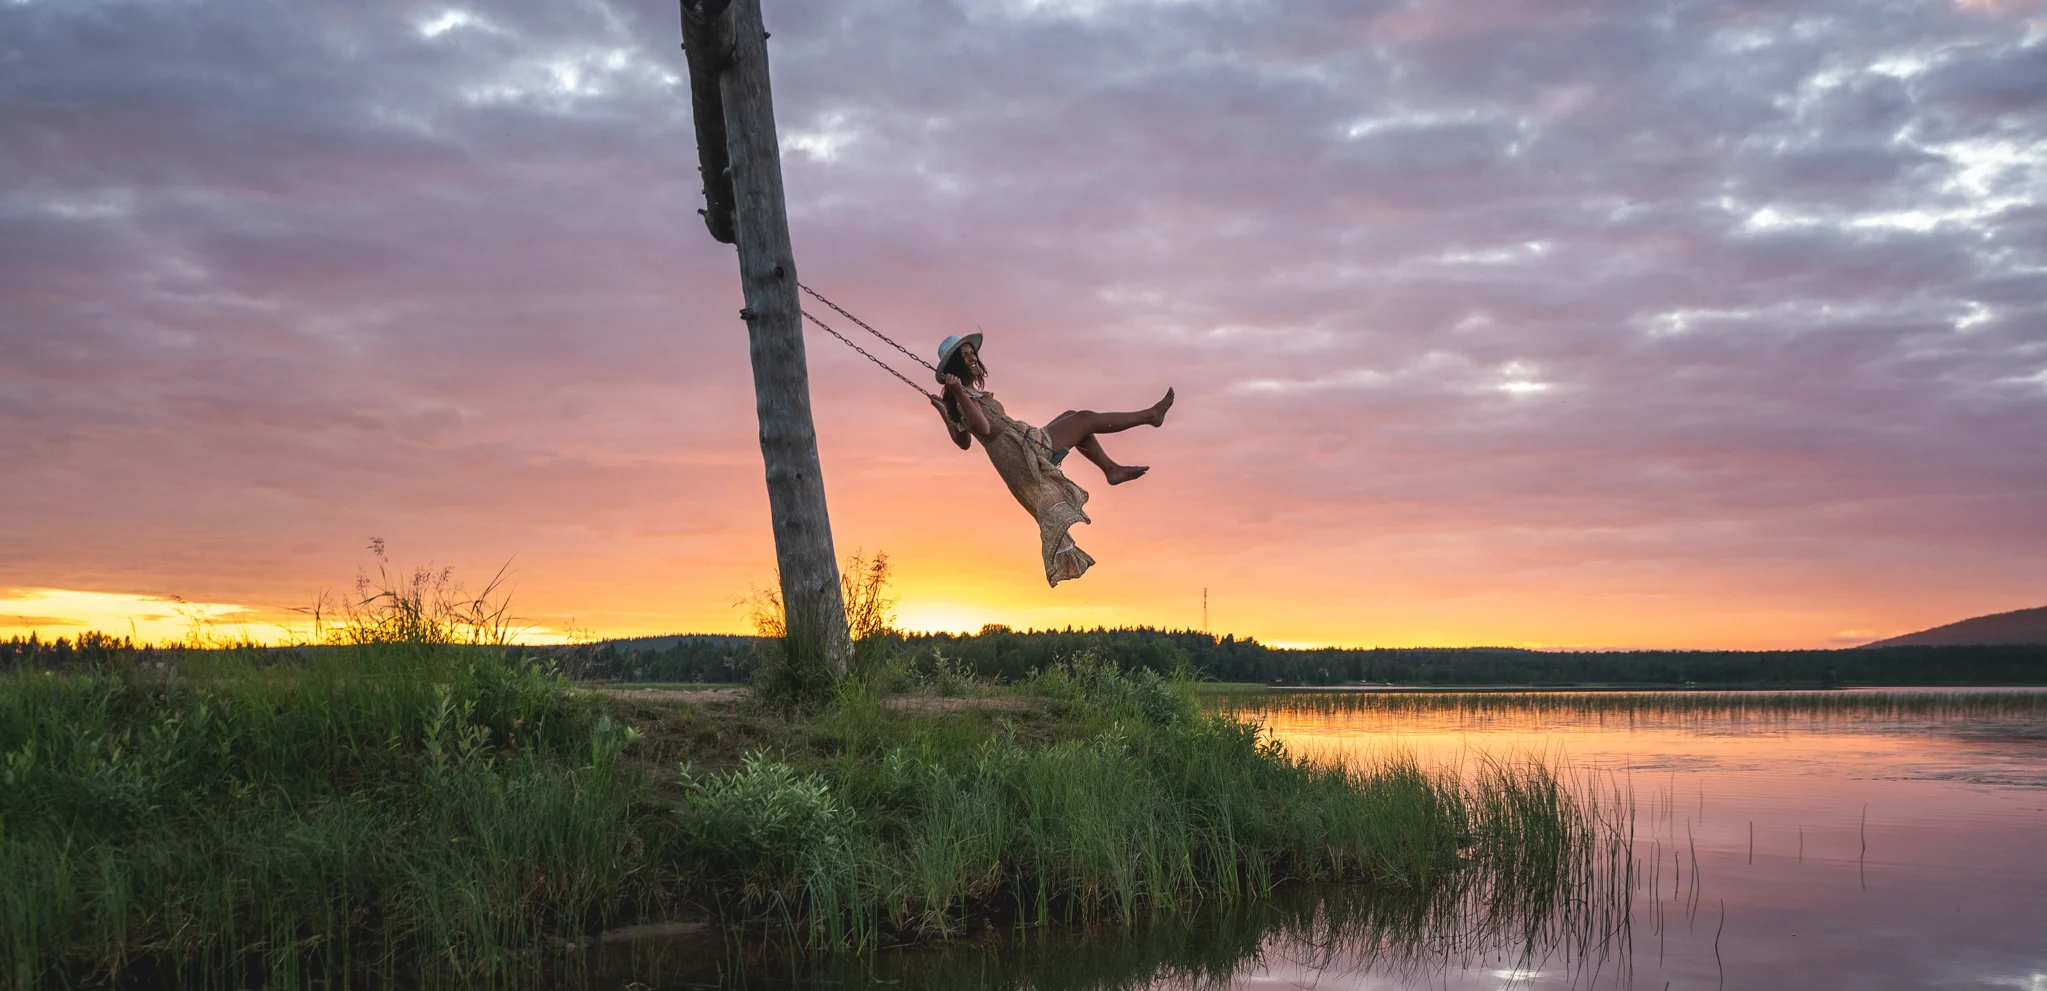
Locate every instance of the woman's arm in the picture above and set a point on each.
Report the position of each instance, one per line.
(970, 411)
(960, 437)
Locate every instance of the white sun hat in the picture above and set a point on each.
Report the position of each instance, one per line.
(952, 343)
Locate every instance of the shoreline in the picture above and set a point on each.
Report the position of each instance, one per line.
(393, 810)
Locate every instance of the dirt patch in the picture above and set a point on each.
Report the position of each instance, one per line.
(900, 703)
(676, 694)
(939, 703)
(714, 729)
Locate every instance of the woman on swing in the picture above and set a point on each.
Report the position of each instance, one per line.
(1028, 457)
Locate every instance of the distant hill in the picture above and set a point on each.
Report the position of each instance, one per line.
(2024, 626)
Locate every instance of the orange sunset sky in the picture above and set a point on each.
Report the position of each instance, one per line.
(1570, 325)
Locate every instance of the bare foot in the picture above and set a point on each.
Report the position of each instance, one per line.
(1158, 410)
(1123, 473)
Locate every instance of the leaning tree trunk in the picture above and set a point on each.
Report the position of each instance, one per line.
(727, 44)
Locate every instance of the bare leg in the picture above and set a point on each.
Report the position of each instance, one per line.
(1115, 473)
(1070, 427)
(1077, 429)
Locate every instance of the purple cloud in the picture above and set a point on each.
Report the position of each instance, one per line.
(1750, 289)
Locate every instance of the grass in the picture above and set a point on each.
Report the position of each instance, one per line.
(219, 820)
(437, 814)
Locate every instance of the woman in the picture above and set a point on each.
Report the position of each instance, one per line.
(1028, 457)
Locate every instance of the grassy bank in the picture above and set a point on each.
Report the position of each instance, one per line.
(421, 815)
(369, 809)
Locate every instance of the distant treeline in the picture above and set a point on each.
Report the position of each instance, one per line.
(688, 657)
(1009, 655)
(33, 651)
(685, 657)
(1000, 652)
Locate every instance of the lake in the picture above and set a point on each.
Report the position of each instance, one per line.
(1870, 839)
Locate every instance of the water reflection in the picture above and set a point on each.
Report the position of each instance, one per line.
(1872, 840)
(1305, 936)
(1868, 839)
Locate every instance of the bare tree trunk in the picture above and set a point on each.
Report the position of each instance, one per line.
(811, 599)
(707, 47)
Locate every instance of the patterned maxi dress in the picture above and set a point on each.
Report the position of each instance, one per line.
(1028, 463)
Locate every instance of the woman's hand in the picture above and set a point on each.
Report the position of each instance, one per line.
(959, 436)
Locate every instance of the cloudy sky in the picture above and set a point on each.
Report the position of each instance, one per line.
(1690, 323)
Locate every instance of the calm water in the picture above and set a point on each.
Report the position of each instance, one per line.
(1867, 840)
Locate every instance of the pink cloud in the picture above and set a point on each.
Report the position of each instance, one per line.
(1484, 319)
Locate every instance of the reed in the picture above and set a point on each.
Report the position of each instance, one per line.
(1333, 934)
(1553, 894)
(1748, 706)
(434, 814)
(1143, 803)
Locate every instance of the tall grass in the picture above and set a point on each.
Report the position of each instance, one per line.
(425, 608)
(914, 829)
(362, 810)
(447, 814)
(792, 672)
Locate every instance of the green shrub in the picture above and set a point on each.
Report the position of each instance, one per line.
(766, 820)
(1089, 679)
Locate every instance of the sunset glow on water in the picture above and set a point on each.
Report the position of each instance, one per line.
(1848, 848)
(1881, 840)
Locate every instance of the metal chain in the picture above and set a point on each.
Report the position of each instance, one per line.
(820, 297)
(1021, 431)
(863, 352)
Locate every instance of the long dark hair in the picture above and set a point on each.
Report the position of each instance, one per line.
(957, 365)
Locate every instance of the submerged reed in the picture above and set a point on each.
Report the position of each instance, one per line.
(1323, 933)
(1883, 705)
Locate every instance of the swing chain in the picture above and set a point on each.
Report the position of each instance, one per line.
(884, 366)
(820, 297)
(1019, 429)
